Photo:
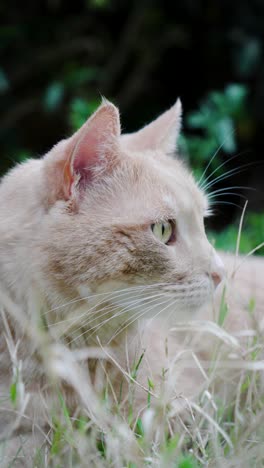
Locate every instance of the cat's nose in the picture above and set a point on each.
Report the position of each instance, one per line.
(216, 277)
(217, 270)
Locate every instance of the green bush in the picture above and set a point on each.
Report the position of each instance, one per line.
(252, 235)
(219, 118)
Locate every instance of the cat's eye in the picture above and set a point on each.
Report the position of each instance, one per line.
(164, 231)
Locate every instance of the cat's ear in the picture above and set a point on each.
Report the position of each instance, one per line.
(161, 134)
(89, 153)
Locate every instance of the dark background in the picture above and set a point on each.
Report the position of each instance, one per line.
(58, 57)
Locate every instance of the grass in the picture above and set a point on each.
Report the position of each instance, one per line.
(251, 235)
(221, 427)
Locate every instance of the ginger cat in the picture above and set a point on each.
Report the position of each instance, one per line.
(102, 233)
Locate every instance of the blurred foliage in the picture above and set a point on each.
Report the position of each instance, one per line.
(80, 110)
(252, 235)
(219, 117)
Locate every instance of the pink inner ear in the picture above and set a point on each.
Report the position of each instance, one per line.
(85, 158)
(96, 148)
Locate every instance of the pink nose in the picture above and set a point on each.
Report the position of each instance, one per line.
(217, 270)
(216, 277)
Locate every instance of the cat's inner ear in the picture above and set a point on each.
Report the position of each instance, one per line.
(159, 135)
(93, 149)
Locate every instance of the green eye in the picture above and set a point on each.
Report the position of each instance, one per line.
(164, 231)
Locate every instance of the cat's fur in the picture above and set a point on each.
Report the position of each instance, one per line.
(75, 228)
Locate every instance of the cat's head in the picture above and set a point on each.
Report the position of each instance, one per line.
(125, 214)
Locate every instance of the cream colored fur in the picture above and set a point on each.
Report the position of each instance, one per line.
(80, 266)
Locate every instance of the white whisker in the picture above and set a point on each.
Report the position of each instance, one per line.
(108, 293)
(118, 314)
(235, 194)
(225, 203)
(129, 304)
(228, 174)
(231, 188)
(112, 296)
(221, 165)
(213, 157)
(128, 308)
(137, 317)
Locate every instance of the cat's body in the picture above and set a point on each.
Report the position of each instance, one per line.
(83, 256)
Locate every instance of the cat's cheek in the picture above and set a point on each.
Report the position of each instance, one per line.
(85, 292)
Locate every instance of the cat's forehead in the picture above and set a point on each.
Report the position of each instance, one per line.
(178, 183)
(148, 189)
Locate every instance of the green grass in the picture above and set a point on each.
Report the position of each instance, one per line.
(220, 428)
(251, 235)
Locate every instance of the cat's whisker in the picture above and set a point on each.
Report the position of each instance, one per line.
(134, 319)
(230, 188)
(105, 299)
(228, 174)
(225, 203)
(118, 314)
(111, 306)
(130, 320)
(126, 309)
(224, 163)
(92, 310)
(107, 309)
(161, 311)
(88, 330)
(114, 306)
(102, 311)
(93, 296)
(174, 300)
(107, 293)
(213, 157)
(235, 194)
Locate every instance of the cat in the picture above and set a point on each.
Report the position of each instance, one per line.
(104, 231)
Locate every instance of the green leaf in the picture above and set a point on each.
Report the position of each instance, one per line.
(187, 462)
(79, 76)
(64, 409)
(197, 120)
(252, 305)
(219, 102)
(150, 387)
(13, 392)
(251, 235)
(101, 445)
(53, 96)
(139, 428)
(223, 309)
(135, 370)
(172, 444)
(225, 134)
(80, 110)
(236, 94)
(58, 439)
